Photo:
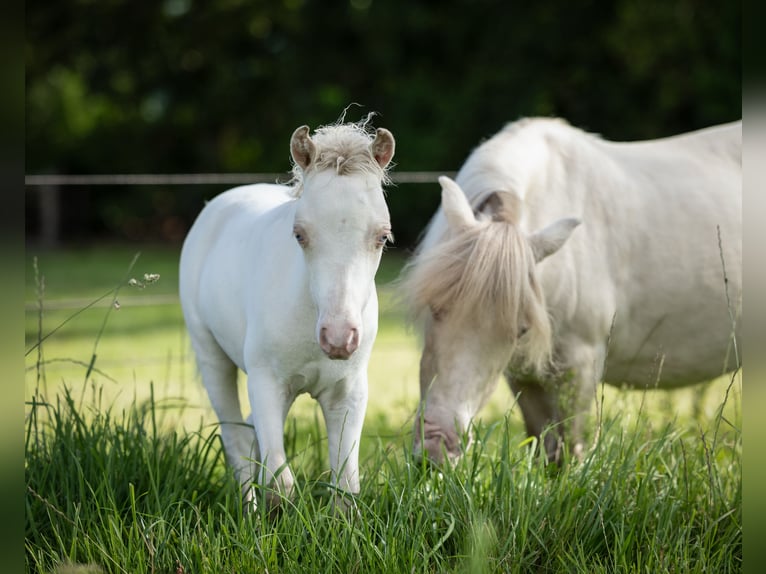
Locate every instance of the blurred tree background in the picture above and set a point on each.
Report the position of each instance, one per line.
(193, 86)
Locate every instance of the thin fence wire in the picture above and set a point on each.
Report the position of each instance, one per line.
(51, 182)
(57, 180)
(72, 303)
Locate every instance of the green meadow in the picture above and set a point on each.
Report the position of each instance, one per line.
(124, 469)
(141, 342)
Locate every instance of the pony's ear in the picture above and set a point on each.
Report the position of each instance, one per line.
(382, 148)
(302, 148)
(456, 208)
(501, 206)
(550, 239)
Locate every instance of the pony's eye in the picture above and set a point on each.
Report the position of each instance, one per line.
(437, 314)
(383, 238)
(300, 236)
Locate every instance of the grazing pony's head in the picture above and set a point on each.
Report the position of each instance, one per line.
(480, 297)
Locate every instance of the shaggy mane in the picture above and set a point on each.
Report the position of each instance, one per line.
(345, 148)
(485, 274)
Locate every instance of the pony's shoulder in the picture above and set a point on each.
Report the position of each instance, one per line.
(258, 198)
(537, 122)
(543, 126)
(552, 133)
(256, 192)
(521, 148)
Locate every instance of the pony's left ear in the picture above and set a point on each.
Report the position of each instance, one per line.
(382, 148)
(302, 148)
(551, 238)
(456, 208)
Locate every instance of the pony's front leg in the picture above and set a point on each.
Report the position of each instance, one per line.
(219, 376)
(344, 417)
(582, 365)
(561, 402)
(539, 407)
(270, 403)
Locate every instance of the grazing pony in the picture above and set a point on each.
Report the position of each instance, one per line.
(278, 281)
(561, 259)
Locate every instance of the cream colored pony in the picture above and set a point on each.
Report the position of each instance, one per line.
(561, 259)
(278, 281)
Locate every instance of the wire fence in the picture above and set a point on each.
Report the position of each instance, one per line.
(74, 303)
(53, 181)
(49, 186)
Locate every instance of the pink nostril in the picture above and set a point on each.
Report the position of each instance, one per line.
(339, 345)
(353, 341)
(323, 340)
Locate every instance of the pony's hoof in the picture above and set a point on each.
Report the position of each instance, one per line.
(345, 504)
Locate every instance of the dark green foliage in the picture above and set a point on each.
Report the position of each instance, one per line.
(182, 86)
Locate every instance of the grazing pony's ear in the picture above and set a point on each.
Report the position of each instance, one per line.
(382, 148)
(302, 148)
(501, 206)
(456, 208)
(550, 238)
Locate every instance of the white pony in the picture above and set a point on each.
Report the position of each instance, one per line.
(279, 282)
(560, 259)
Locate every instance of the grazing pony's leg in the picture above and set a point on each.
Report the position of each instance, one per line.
(563, 402)
(539, 407)
(582, 367)
(219, 376)
(344, 416)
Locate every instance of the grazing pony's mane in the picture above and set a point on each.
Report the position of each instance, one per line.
(487, 273)
(344, 148)
(484, 274)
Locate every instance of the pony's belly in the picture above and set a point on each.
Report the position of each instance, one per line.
(671, 336)
(669, 363)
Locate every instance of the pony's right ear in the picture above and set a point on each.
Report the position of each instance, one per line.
(382, 148)
(551, 238)
(456, 208)
(302, 148)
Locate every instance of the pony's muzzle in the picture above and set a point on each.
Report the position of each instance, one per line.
(439, 444)
(340, 343)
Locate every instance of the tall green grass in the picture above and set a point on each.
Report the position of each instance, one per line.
(116, 484)
(110, 489)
